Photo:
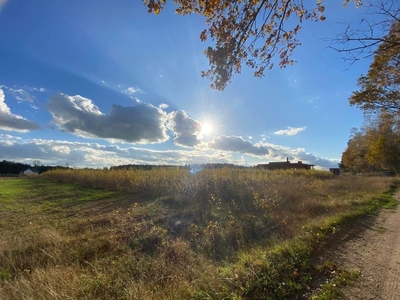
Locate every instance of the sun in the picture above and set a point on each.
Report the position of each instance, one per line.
(206, 128)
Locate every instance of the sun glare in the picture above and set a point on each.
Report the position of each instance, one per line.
(206, 128)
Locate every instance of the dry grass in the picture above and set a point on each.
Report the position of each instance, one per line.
(167, 234)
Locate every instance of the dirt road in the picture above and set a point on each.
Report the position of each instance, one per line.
(372, 246)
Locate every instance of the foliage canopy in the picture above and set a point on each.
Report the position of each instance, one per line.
(263, 33)
(246, 32)
(375, 147)
(380, 88)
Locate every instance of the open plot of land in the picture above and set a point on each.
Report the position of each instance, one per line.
(218, 235)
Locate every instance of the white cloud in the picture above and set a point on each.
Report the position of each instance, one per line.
(78, 154)
(142, 123)
(62, 149)
(39, 89)
(186, 129)
(12, 122)
(96, 155)
(290, 131)
(21, 94)
(131, 90)
(237, 144)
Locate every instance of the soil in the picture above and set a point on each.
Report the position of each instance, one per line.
(371, 246)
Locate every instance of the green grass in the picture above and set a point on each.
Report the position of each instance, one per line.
(16, 193)
(335, 279)
(221, 234)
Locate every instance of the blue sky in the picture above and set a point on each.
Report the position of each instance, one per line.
(105, 83)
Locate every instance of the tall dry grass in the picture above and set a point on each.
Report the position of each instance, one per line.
(174, 235)
(221, 211)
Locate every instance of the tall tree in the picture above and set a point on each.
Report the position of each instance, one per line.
(380, 88)
(384, 145)
(260, 33)
(354, 158)
(375, 147)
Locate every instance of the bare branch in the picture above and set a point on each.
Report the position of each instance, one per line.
(362, 42)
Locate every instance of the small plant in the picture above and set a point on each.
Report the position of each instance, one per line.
(381, 229)
(336, 278)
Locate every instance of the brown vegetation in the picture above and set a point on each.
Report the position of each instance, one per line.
(166, 234)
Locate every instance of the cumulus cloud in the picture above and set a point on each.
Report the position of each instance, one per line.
(237, 144)
(186, 129)
(142, 123)
(290, 131)
(12, 122)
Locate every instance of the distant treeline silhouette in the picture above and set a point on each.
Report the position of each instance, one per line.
(10, 167)
(186, 166)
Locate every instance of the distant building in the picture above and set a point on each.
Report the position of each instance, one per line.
(285, 165)
(31, 171)
(335, 171)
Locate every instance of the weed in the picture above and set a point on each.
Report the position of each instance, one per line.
(381, 229)
(335, 279)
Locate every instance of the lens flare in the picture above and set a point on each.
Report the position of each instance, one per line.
(206, 128)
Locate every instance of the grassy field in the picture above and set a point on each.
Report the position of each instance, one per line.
(167, 234)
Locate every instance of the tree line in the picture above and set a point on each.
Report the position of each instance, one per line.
(376, 146)
(10, 167)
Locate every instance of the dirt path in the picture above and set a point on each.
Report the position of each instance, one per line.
(373, 247)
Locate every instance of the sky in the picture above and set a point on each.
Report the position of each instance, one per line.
(104, 83)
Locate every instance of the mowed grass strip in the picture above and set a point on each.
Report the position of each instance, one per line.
(166, 234)
(37, 190)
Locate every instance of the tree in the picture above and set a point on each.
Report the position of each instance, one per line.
(384, 145)
(361, 42)
(375, 147)
(9, 167)
(379, 96)
(354, 158)
(380, 88)
(250, 32)
(258, 33)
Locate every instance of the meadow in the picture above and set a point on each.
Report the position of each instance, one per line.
(169, 234)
